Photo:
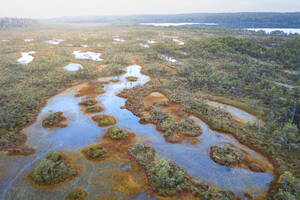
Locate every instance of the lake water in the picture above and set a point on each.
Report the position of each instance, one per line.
(95, 176)
(178, 24)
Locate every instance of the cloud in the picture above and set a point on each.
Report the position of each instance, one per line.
(57, 8)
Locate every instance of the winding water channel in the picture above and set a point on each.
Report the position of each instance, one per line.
(95, 177)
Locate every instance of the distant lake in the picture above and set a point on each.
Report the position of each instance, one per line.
(178, 24)
(269, 30)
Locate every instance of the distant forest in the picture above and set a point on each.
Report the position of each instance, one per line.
(6, 23)
(224, 20)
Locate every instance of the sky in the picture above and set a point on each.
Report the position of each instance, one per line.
(60, 8)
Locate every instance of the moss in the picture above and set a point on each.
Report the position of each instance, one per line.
(132, 78)
(77, 194)
(53, 120)
(88, 102)
(104, 120)
(226, 155)
(52, 170)
(116, 133)
(96, 152)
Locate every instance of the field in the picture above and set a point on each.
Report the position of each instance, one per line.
(251, 80)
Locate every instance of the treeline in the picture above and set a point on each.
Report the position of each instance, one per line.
(6, 23)
(224, 20)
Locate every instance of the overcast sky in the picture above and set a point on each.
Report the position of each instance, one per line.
(58, 8)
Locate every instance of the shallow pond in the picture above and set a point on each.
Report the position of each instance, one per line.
(55, 41)
(95, 177)
(178, 41)
(292, 72)
(170, 59)
(73, 67)
(238, 114)
(178, 24)
(28, 40)
(26, 57)
(151, 41)
(87, 55)
(284, 85)
(144, 45)
(119, 40)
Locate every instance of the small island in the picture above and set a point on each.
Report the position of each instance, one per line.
(77, 194)
(131, 78)
(95, 153)
(104, 120)
(115, 133)
(54, 120)
(52, 170)
(226, 155)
